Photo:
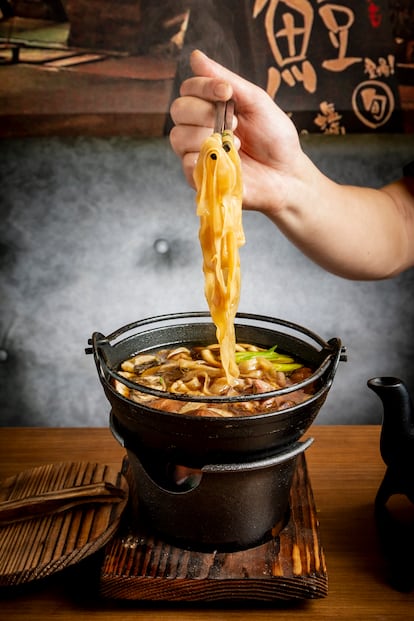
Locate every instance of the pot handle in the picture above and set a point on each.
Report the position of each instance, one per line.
(114, 430)
(339, 354)
(292, 451)
(101, 350)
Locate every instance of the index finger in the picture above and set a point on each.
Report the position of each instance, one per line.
(194, 111)
(214, 82)
(210, 89)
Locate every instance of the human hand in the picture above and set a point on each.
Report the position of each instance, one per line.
(267, 140)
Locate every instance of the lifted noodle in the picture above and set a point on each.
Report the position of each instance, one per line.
(218, 180)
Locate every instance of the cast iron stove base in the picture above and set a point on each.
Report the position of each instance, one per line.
(289, 566)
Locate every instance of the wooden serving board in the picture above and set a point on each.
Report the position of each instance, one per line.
(36, 547)
(139, 566)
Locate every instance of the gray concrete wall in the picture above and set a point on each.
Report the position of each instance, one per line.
(80, 220)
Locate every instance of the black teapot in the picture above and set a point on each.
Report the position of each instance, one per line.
(397, 438)
(397, 451)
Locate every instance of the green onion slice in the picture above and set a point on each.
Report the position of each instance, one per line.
(280, 361)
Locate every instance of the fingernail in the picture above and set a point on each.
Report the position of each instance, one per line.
(221, 90)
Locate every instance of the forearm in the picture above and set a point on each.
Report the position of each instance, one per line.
(356, 233)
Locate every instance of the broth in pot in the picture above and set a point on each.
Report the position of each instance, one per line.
(197, 371)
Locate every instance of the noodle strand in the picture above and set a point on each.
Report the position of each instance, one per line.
(218, 180)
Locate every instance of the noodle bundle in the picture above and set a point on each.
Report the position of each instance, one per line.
(218, 180)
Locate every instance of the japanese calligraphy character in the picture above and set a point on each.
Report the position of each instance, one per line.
(328, 119)
(288, 31)
(338, 20)
(373, 103)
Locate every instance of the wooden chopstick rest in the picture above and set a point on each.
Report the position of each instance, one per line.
(57, 501)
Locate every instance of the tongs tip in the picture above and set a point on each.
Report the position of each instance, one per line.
(224, 116)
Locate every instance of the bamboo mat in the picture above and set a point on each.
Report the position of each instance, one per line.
(37, 547)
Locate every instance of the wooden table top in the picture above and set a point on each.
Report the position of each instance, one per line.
(345, 469)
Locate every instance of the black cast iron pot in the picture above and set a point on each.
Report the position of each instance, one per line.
(240, 468)
(196, 441)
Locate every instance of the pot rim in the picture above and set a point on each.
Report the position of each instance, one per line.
(101, 343)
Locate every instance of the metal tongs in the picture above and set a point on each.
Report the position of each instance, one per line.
(224, 116)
